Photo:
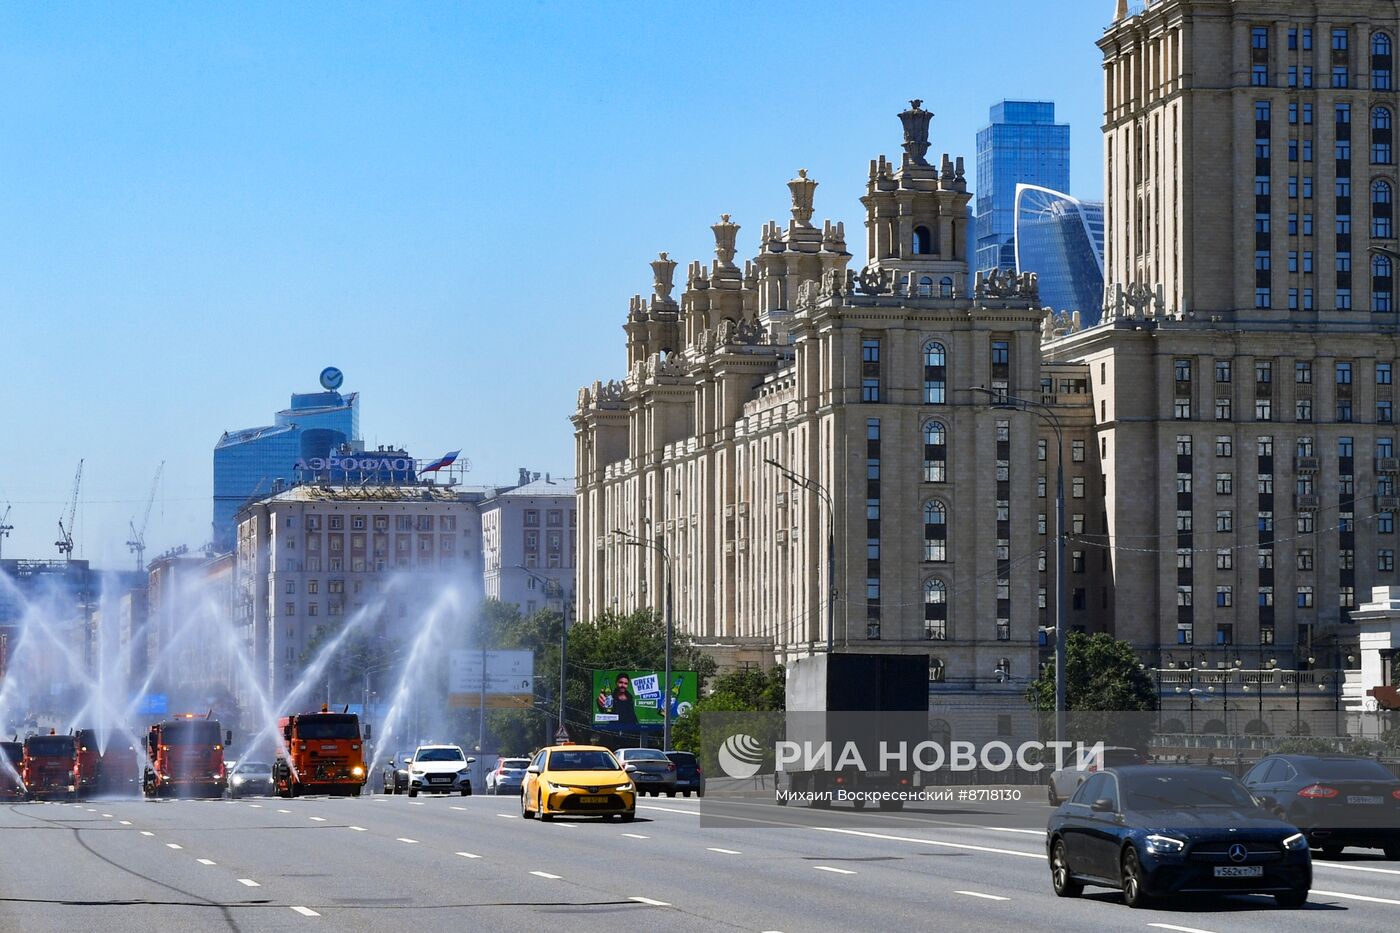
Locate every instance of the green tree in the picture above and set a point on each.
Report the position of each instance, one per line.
(1102, 674)
(743, 690)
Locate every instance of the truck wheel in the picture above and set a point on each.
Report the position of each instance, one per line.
(356, 792)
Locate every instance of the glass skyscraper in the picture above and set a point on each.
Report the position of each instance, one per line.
(248, 462)
(1060, 239)
(1022, 144)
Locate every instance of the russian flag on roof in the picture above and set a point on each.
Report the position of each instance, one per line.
(445, 460)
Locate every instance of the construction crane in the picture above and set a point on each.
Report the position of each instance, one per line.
(137, 544)
(5, 527)
(65, 541)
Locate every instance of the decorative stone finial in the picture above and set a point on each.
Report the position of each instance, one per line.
(663, 270)
(1122, 12)
(802, 188)
(915, 121)
(725, 235)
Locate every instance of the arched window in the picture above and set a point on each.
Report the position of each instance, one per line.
(945, 287)
(923, 243)
(925, 286)
(1380, 136)
(935, 452)
(1382, 284)
(1382, 211)
(935, 374)
(1380, 62)
(935, 612)
(935, 532)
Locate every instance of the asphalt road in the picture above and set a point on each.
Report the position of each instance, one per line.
(451, 863)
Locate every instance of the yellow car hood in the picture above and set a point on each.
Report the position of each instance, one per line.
(587, 778)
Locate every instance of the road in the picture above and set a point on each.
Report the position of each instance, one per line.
(378, 863)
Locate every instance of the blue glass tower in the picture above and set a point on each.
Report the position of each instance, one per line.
(1060, 239)
(249, 461)
(1022, 144)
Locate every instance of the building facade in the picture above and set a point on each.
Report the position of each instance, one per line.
(1021, 144)
(528, 539)
(252, 461)
(1060, 239)
(795, 365)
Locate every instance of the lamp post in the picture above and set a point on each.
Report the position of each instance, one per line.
(806, 482)
(660, 548)
(563, 629)
(1047, 414)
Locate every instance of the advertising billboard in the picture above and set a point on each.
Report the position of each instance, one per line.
(510, 678)
(628, 699)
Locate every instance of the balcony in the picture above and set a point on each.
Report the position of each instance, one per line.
(1388, 503)
(1305, 464)
(1306, 501)
(1388, 465)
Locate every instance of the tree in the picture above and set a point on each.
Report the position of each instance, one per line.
(745, 690)
(1102, 674)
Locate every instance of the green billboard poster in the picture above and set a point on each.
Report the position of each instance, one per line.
(625, 699)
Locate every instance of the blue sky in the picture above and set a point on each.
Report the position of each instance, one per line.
(202, 205)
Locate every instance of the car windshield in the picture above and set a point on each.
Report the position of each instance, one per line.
(1350, 769)
(253, 766)
(582, 761)
(1183, 790)
(515, 764)
(643, 754)
(50, 745)
(328, 726)
(193, 732)
(437, 754)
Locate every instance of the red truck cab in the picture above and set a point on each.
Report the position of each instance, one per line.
(50, 768)
(186, 758)
(89, 757)
(324, 754)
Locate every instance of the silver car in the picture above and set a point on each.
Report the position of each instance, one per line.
(1065, 781)
(650, 770)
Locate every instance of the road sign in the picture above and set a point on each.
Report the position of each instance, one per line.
(561, 736)
(507, 674)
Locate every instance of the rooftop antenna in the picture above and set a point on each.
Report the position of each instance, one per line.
(137, 544)
(65, 541)
(5, 527)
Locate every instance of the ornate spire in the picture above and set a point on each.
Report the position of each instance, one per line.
(663, 270)
(725, 234)
(915, 121)
(1122, 12)
(802, 188)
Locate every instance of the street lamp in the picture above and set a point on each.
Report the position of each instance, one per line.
(563, 630)
(660, 548)
(806, 482)
(1047, 414)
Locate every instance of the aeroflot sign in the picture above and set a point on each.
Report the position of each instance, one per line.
(351, 464)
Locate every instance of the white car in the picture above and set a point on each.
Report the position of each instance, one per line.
(440, 769)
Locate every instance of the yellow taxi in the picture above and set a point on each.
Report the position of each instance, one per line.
(577, 780)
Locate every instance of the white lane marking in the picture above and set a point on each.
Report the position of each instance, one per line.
(1008, 829)
(89, 809)
(172, 845)
(545, 874)
(415, 803)
(284, 811)
(468, 855)
(319, 819)
(256, 806)
(463, 809)
(147, 833)
(566, 825)
(509, 816)
(359, 829)
(930, 842)
(989, 897)
(648, 901)
(412, 842)
(306, 911)
(249, 883)
(1357, 897)
(206, 861)
(672, 810)
(124, 822)
(1173, 926)
(835, 871)
(724, 851)
(107, 815)
(1339, 867)
(635, 836)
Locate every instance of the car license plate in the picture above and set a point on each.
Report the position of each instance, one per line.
(648, 776)
(593, 800)
(1239, 871)
(1361, 799)
(440, 779)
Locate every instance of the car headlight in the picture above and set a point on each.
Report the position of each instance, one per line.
(1165, 845)
(239, 780)
(357, 771)
(416, 773)
(626, 787)
(466, 773)
(1297, 842)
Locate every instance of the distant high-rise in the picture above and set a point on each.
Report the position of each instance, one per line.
(250, 461)
(1060, 239)
(1021, 144)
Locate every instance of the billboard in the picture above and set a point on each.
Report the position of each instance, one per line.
(510, 678)
(625, 699)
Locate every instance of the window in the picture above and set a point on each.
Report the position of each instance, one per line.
(1224, 445)
(1224, 597)
(1222, 370)
(1259, 76)
(1184, 558)
(1266, 484)
(1263, 372)
(1380, 136)
(1302, 409)
(1222, 409)
(935, 374)
(935, 531)
(1076, 451)
(1224, 521)
(1305, 597)
(1184, 595)
(1077, 487)
(1380, 62)
(1340, 76)
(1343, 374)
(1040, 447)
(923, 243)
(1259, 37)
(1224, 484)
(1183, 483)
(935, 610)
(1385, 523)
(1264, 446)
(935, 452)
(1382, 221)
(870, 370)
(1181, 409)
(1183, 370)
(1339, 40)
(1263, 409)
(1183, 522)
(1302, 373)
(1382, 281)
(1383, 371)
(1385, 560)
(1224, 559)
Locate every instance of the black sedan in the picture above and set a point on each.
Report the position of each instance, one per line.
(1154, 831)
(1337, 800)
(395, 774)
